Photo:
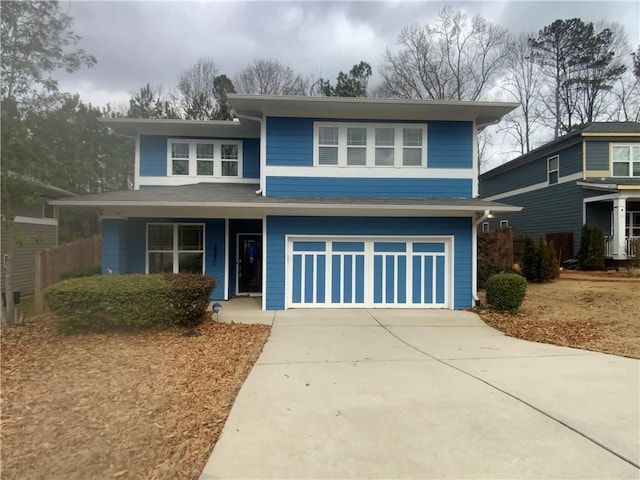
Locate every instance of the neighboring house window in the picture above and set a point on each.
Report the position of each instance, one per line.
(204, 158)
(626, 160)
(552, 169)
(485, 227)
(48, 211)
(504, 223)
(370, 145)
(177, 248)
(633, 224)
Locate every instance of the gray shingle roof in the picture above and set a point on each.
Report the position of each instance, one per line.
(612, 181)
(220, 194)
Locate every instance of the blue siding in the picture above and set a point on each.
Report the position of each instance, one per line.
(124, 247)
(450, 144)
(251, 158)
(279, 226)
(153, 155)
(369, 187)
(114, 246)
(290, 141)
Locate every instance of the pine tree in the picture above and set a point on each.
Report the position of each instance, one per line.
(595, 257)
(530, 260)
(583, 252)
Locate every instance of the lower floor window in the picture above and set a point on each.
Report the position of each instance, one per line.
(177, 248)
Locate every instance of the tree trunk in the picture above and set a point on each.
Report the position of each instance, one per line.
(8, 310)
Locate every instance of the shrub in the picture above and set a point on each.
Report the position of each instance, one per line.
(583, 251)
(125, 302)
(506, 291)
(81, 272)
(530, 260)
(549, 268)
(596, 252)
(191, 292)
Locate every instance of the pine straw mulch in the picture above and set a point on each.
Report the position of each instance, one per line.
(593, 314)
(145, 405)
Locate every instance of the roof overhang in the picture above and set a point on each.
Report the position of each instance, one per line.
(132, 127)
(483, 113)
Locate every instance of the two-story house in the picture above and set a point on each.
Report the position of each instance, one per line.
(308, 201)
(590, 176)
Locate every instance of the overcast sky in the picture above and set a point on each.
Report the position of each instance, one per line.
(152, 42)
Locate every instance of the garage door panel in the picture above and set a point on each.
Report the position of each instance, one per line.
(368, 272)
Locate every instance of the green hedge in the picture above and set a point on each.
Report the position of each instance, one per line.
(506, 291)
(81, 272)
(125, 302)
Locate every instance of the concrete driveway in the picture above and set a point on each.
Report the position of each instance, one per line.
(427, 394)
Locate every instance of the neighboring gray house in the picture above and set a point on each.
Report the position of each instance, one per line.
(590, 176)
(37, 227)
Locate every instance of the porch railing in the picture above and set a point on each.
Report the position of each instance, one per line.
(630, 246)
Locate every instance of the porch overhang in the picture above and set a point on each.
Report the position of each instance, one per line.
(240, 201)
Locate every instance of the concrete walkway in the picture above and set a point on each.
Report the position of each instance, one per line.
(427, 394)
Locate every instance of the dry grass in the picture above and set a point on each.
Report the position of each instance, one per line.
(599, 312)
(137, 406)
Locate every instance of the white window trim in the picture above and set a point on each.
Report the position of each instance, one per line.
(556, 170)
(193, 160)
(342, 143)
(485, 227)
(54, 210)
(629, 163)
(175, 251)
(504, 223)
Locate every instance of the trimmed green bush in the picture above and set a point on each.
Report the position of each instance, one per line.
(596, 254)
(530, 260)
(506, 291)
(549, 268)
(191, 292)
(583, 251)
(127, 302)
(81, 272)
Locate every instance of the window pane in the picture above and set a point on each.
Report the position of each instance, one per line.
(190, 262)
(356, 136)
(179, 150)
(328, 135)
(328, 156)
(620, 154)
(385, 136)
(229, 152)
(384, 156)
(160, 237)
(205, 167)
(160, 262)
(412, 157)
(553, 163)
(553, 177)
(205, 150)
(356, 156)
(189, 237)
(636, 169)
(229, 169)
(620, 169)
(635, 154)
(412, 137)
(180, 167)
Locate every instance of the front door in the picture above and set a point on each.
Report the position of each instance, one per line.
(249, 263)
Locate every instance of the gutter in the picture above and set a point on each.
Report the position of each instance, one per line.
(474, 279)
(262, 139)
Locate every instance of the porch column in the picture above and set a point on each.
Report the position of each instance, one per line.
(619, 251)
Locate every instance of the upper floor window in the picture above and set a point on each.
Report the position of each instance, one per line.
(205, 158)
(370, 145)
(553, 164)
(626, 160)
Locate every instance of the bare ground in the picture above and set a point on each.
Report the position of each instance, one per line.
(599, 312)
(147, 405)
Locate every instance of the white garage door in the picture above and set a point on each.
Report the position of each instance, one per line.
(369, 272)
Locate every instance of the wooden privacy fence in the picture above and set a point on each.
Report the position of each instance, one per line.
(51, 263)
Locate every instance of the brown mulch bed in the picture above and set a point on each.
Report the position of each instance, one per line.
(145, 405)
(593, 314)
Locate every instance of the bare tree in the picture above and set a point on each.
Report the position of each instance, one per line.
(454, 59)
(270, 77)
(522, 84)
(195, 87)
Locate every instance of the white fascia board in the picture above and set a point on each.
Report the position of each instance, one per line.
(35, 221)
(599, 186)
(369, 172)
(186, 180)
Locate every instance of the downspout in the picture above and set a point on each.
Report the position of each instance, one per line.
(262, 139)
(474, 266)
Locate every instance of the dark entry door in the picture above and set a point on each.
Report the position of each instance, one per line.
(249, 263)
